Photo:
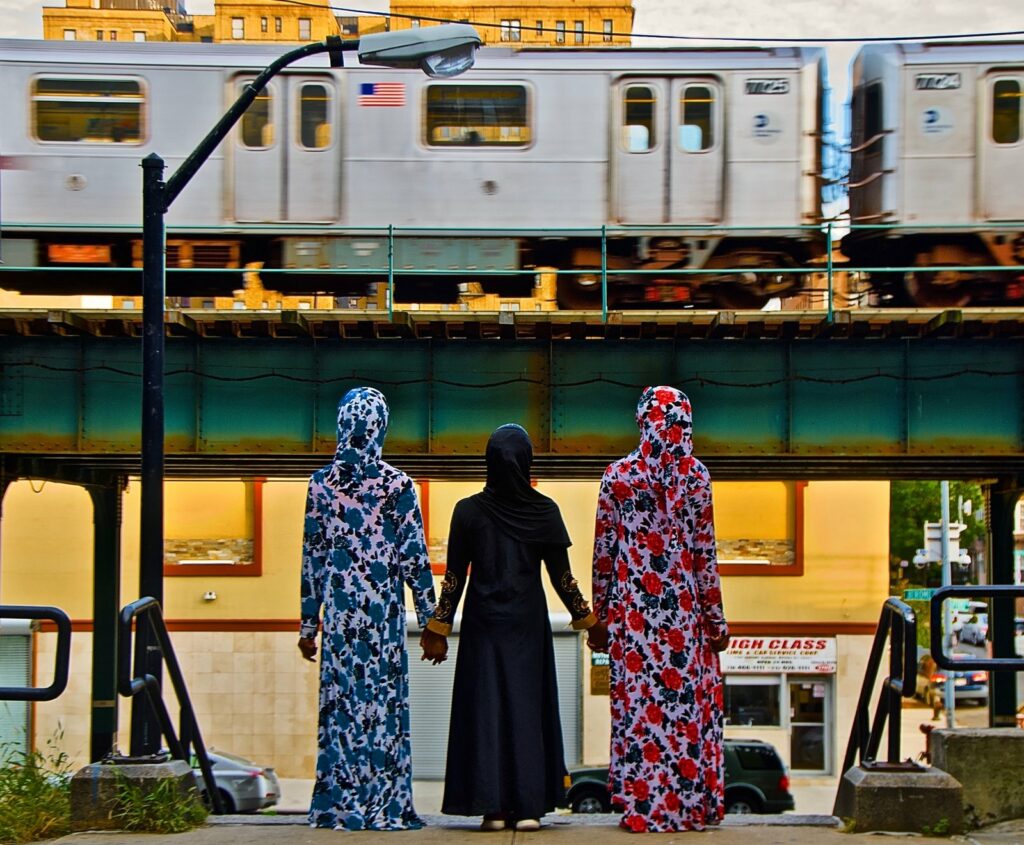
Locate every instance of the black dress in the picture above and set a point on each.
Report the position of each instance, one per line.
(505, 740)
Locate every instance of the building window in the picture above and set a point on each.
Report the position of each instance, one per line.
(752, 701)
(414, 23)
(99, 34)
(277, 25)
(559, 32)
(257, 132)
(70, 35)
(213, 527)
(113, 35)
(606, 30)
(305, 29)
(264, 24)
(577, 29)
(238, 28)
(477, 116)
(511, 30)
(540, 27)
(314, 117)
(1006, 96)
(138, 36)
(638, 127)
(696, 118)
(93, 111)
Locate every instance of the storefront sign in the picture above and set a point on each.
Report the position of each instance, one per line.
(806, 655)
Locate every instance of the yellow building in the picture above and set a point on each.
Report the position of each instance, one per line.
(804, 570)
(529, 22)
(123, 20)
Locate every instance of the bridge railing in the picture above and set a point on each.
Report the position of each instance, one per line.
(897, 630)
(830, 231)
(146, 611)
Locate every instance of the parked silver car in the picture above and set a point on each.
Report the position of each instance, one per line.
(244, 787)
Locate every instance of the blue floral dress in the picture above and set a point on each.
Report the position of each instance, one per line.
(363, 540)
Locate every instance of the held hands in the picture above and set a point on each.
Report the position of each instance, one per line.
(308, 649)
(435, 646)
(719, 644)
(597, 637)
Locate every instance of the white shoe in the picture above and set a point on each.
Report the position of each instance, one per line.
(492, 824)
(528, 824)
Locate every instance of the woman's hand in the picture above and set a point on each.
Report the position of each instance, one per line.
(308, 648)
(597, 637)
(435, 646)
(719, 644)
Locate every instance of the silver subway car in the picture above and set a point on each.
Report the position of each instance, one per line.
(686, 159)
(937, 171)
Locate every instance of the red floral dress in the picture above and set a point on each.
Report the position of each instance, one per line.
(656, 585)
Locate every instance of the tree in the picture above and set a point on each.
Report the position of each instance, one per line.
(911, 505)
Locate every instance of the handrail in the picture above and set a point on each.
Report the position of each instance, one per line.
(898, 625)
(994, 591)
(62, 659)
(147, 610)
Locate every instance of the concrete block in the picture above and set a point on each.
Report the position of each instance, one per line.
(94, 789)
(989, 762)
(879, 799)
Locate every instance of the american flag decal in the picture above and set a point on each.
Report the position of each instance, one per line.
(382, 94)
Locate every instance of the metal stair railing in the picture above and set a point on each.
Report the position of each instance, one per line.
(992, 591)
(897, 627)
(62, 659)
(147, 611)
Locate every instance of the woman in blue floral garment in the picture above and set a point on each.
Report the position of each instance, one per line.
(363, 540)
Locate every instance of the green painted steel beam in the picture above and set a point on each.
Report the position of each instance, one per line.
(764, 399)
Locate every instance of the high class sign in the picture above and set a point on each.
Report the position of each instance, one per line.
(810, 655)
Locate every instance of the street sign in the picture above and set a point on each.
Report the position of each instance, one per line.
(922, 594)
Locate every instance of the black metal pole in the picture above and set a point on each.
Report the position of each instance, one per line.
(145, 737)
(1002, 699)
(157, 197)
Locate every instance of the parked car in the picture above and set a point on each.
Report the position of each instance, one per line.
(244, 786)
(931, 683)
(756, 781)
(975, 629)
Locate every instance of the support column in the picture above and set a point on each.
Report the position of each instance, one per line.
(1002, 686)
(106, 600)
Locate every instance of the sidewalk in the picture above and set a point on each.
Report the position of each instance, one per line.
(557, 830)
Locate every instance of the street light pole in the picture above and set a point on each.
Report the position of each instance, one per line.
(947, 612)
(444, 50)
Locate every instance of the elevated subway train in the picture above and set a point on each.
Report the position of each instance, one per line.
(696, 158)
(937, 172)
(691, 160)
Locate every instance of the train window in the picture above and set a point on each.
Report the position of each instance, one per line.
(638, 105)
(696, 118)
(1006, 97)
(257, 124)
(314, 117)
(91, 111)
(477, 116)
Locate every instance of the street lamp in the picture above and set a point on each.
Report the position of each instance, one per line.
(439, 51)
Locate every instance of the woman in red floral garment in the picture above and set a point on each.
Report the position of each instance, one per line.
(656, 587)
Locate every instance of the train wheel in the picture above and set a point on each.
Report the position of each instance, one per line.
(924, 292)
(735, 297)
(579, 293)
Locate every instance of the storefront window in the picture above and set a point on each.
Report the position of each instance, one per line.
(752, 701)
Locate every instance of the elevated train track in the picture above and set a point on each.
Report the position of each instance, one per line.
(865, 394)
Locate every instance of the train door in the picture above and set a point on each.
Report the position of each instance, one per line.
(1002, 147)
(285, 161)
(668, 151)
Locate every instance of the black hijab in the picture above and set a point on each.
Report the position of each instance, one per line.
(516, 507)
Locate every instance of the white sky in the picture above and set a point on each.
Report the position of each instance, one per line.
(737, 18)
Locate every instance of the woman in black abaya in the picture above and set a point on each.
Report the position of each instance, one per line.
(505, 759)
